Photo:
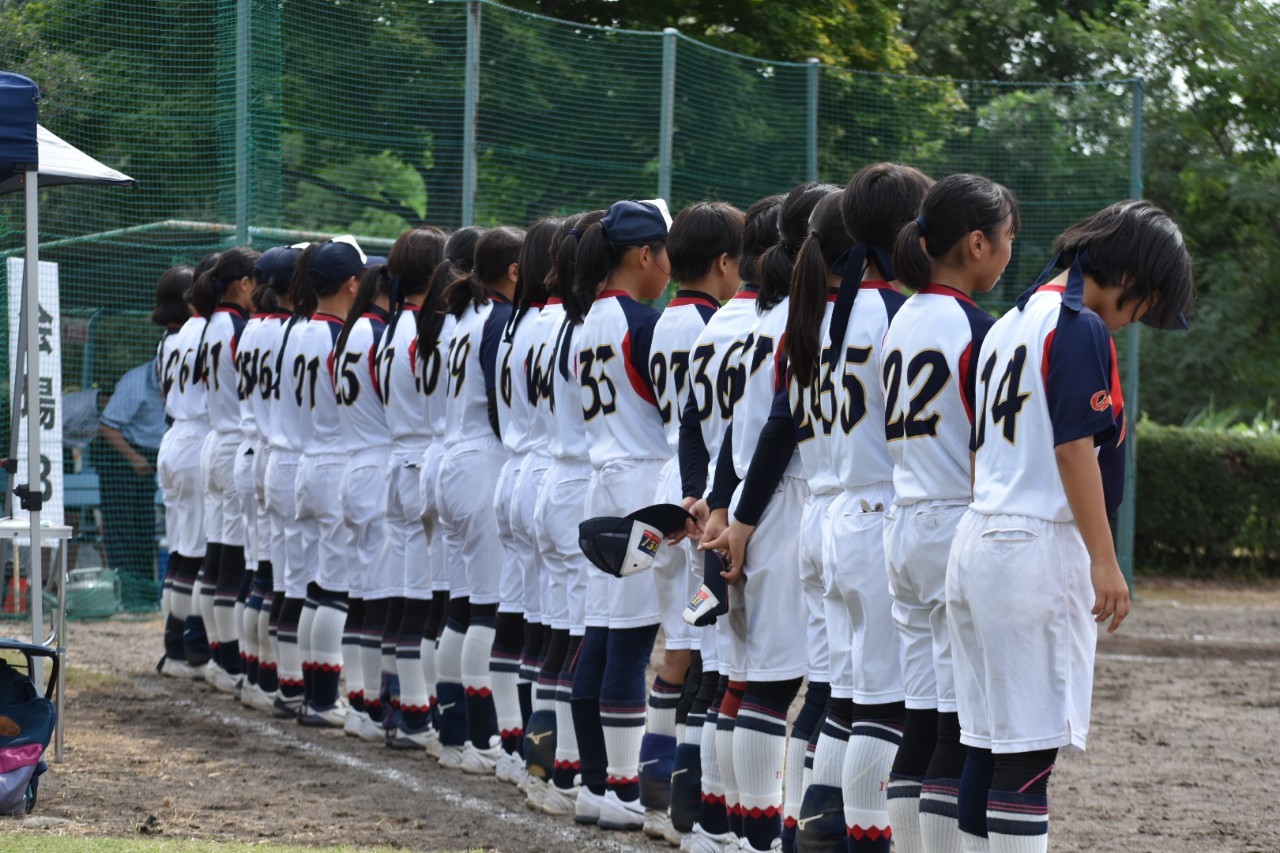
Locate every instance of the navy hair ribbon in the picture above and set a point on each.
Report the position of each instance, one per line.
(850, 267)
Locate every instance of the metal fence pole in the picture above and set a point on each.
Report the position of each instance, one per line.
(471, 100)
(667, 115)
(811, 125)
(243, 142)
(1125, 515)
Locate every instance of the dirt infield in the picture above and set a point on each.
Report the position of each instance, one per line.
(1182, 755)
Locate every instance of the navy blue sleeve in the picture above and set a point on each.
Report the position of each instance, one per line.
(773, 454)
(489, 340)
(694, 457)
(1111, 462)
(1079, 367)
(726, 481)
(637, 345)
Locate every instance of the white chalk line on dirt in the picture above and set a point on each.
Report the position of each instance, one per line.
(544, 829)
(1185, 659)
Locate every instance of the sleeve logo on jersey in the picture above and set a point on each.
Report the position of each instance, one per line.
(1101, 401)
(649, 542)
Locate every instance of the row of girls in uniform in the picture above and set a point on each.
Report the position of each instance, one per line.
(426, 435)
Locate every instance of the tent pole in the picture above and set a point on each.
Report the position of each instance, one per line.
(31, 308)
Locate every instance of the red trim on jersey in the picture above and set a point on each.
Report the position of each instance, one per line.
(231, 308)
(965, 358)
(278, 315)
(635, 377)
(875, 285)
(373, 371)
(1051, 288)
(780, 364)
(1117, 393)
(329, 318)
(538, 305)
(554, 300)
(1044, 361)
(694, 298)
(746, 294)
(328, 363)
(610, 294)
(409, 306)
(370, 315)
(934, 289)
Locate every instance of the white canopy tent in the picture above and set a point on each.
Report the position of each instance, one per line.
(60, 163)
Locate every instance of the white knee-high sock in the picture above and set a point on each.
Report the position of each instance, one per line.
(759, 747)
(427, 658)
(829, 756)
(872, 747)
(1018, 822)
(477, 645)
(504, 673)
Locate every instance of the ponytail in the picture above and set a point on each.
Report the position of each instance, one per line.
(459, 259)
(826, 243)
(793, 228)
(373, 281)
(302, 292)
(496, 251)
(534, 265)
(954, 207)
(759, 235)
(410, 264)
(576, 303)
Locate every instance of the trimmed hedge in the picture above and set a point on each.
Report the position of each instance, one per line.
(1208, 503)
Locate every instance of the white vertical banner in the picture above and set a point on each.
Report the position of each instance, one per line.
(47, 410)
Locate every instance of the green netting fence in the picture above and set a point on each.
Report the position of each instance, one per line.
(259, 121)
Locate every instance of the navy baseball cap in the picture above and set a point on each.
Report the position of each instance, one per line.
(337, 260)
(375, 261)
(277, 262)
(627, 546)
(635, 223)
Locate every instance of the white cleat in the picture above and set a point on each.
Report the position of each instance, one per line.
(620, 815)
(401, 738)
(224, 681)
(334, 717)
(256, 698)
(657, 824)
(745, 846)
(451, 756)
(510, 769)
(358, 724)
(176, 668)
(587, 806)
(560, 802)
(701, 841)
(432, 744)
(536, 793)
(480, 762)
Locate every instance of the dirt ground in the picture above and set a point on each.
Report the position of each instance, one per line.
(1182, 755)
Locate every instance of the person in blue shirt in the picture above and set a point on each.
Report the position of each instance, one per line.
(131, 427)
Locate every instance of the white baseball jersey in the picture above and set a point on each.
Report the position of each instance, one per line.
(859, 451)
(762, 375)
(247, 375)
(618, 403)
(715, 383)
(517, 398)
(541, 374)
(674, 337)
(266, 347)
(813, 421)
(314, 379)
(295, 387)
(472, 361)
(361, 418)
(167, 357)
(186, 398)
(432, 376)
(218, 366)
(569, 441)
(928, 370)
(1047, 375)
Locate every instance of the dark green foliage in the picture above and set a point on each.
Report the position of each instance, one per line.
(1208, 503)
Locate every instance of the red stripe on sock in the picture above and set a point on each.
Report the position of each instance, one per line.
(516, 732)
(756, 814)
(482, 692)
(875, 833)
(613, 780)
